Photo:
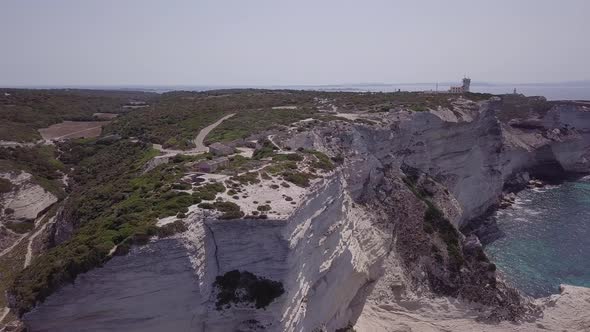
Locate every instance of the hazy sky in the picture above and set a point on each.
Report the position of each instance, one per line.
(221, 42)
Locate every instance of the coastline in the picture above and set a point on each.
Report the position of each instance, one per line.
(518, 207)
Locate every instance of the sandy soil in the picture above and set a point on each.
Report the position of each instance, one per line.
(349, 116)
(284, 108)
(73, 129)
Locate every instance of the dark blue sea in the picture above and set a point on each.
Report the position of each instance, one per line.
(547, 239)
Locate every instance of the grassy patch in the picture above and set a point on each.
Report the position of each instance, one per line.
(246, 178)
(322, 161)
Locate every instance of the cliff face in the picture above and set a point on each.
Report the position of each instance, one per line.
(377, 231)
(470, 151)
(322, 249)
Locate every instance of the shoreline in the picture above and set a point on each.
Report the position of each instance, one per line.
(489, 229)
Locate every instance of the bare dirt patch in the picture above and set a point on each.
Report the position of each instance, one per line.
(105, 116)
(73, 129)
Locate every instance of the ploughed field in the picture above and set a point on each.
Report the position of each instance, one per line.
(73, 129)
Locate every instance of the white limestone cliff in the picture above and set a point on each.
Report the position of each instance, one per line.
(356, 246)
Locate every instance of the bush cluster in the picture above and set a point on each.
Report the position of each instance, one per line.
(236, 287)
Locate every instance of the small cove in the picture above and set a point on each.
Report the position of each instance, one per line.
(546, 238)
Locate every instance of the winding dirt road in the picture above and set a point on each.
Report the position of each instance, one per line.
(199, 141)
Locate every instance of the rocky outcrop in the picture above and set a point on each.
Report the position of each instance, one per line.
(27, 199)
(21, 207)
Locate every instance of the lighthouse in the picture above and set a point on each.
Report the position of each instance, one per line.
(463, 88)
(466, 84)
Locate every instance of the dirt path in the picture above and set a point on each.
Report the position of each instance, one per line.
(270, 137)
(199, 141)
(3, 312)
(29, 255)
(9, 249)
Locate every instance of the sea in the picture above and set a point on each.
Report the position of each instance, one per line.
(546, 238)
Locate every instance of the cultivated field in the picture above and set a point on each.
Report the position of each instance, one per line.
(73, 129)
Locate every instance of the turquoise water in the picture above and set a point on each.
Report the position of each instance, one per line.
(547, 240)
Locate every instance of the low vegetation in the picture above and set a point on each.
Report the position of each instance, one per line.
(40, 161)
(20, 227)
(5, 186)
(243, 287)
(228, 210)
(266, 150)
(23, 112)
(322, 161)
(300, 179)
(434, 219)
(111, 203)
(176, 117)
(435, 223)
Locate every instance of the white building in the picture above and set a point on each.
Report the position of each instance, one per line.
(463, 88)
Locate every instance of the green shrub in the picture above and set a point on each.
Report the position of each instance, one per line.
(266, 150)
(236, 287)
(20, 227)
(298, 178)
(287, 157)
(181, 186)
(246, 178)
(279, 167)
(5, 185)
(172, 228)
(322, 161)
(232, 215)
(209, 191)
(206, 206)
(264, 208)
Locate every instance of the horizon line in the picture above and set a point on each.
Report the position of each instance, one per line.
(133, 85)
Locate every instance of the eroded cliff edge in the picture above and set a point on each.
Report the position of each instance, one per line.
(379, 230)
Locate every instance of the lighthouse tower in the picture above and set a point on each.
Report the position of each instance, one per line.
(466, 84)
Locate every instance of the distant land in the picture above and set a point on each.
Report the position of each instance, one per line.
(567, 90)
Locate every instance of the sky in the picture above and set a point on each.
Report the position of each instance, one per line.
(279, 42)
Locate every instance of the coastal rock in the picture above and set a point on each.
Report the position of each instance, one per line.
(378, 239)
(27, 200)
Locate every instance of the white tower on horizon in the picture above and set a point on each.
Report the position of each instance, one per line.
(466, 84)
